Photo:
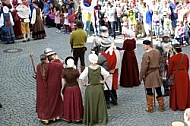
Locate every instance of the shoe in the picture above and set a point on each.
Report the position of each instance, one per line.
(46, 122)
(24, 41)
(108, 105)
(1, 105)
(58, 31)
(114, 102)
(28, 39)
(7, 43)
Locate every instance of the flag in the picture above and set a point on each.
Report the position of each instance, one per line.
(88, 5)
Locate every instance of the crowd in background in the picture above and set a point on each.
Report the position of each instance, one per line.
(143, 17)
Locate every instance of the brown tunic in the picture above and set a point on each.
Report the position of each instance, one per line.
(150, 69)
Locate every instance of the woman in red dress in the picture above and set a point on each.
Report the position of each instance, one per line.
(72, 104)
(129, 76)
(180, 91)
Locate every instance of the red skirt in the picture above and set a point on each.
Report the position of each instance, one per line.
(72, 104)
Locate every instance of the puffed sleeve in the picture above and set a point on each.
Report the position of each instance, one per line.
(84, 73)
(11, 19)
(104, 72)
(1, 21)
(33, 20)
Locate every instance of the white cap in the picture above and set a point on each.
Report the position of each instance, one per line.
(93, 58)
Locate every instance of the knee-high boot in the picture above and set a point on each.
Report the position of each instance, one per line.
(161, 103)
(150, 105)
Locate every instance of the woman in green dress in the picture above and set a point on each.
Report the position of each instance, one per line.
(95, 110)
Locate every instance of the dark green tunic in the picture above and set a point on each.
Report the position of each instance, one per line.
(95, 105)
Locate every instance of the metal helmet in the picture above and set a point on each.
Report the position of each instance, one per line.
(49, 51)
(104, 31)
(106, 42)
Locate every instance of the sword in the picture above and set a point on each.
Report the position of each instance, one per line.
(109, 90)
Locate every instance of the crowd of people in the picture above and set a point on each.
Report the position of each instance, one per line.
(144, 18)
(19, 19)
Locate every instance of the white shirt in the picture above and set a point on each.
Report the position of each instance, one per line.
(85, 72)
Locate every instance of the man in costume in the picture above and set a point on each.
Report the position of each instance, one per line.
(149, 73)
(24, 13)
(109, 58)
(164, 47)
(78, 40)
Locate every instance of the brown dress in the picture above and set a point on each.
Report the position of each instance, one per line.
(72, 104)
(38, 27)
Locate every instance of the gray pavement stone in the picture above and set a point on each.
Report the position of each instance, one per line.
(18, 88)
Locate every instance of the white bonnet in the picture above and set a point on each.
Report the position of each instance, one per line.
(69, 61)
(93, 58)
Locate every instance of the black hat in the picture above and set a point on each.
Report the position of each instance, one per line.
(146, 42)
(69, 57)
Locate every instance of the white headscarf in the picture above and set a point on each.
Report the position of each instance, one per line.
(70, 63)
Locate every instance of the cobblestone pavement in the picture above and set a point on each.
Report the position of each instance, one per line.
(18, 88)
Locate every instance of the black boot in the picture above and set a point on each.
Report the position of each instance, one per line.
(1, 105)
(108, 105)
(166, 87)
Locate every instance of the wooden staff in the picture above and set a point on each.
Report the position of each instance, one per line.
(33, 66)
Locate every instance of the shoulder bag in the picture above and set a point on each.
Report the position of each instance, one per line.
(171, 78)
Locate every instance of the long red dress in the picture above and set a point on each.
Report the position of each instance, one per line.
(180, 91)
(48, 98)
(129, 76)
(72, 103)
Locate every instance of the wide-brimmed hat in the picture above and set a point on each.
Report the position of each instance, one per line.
(49, 51)
(93, 58)
(69, 61)
(106, 43)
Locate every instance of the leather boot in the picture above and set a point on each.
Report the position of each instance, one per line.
(161, 103)
(150, 106)
(82, 68)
